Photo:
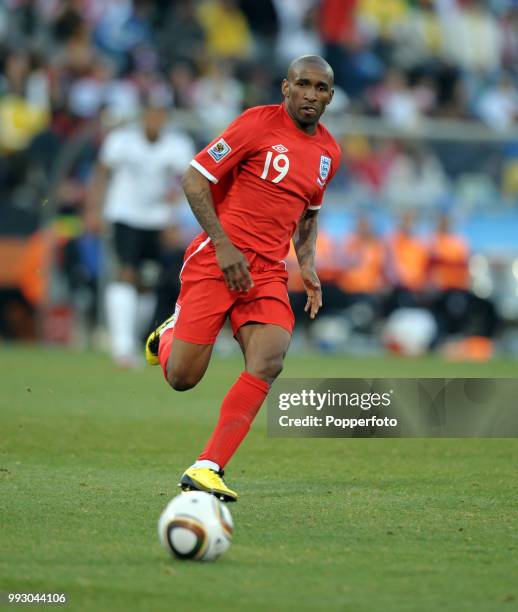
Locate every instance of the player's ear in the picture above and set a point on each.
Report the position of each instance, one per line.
(332, 93)
(285, 87)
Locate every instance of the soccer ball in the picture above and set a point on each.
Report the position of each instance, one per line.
(197, 526)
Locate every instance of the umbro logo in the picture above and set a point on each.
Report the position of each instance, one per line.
(280, 148)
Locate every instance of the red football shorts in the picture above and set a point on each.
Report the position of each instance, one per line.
(205, 301)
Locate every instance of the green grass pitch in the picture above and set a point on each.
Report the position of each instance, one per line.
(90, 455)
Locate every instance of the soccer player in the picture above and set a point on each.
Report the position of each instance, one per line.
(252, 189)
(134, 186)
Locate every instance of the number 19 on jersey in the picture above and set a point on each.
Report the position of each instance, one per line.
(281, 164)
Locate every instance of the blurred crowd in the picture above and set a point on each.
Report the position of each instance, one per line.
(68, 65)
(401, 59)
(374, 280)
(70, 70)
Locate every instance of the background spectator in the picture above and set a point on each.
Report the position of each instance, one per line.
(406, 265)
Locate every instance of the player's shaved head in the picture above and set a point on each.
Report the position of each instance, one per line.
(304, 61)
(307, 90)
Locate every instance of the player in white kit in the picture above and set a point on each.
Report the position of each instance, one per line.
(135, 188)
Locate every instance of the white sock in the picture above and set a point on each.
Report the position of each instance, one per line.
(171, 323)
(205, 463)
(121, 316)
(145, 311)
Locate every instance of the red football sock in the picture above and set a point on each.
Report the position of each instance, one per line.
(238, 410)
(164, 349)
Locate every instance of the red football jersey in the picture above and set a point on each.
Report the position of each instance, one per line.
(266, 172)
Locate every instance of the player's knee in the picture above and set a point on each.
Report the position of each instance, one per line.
(179, 383)
(266, 368)
(181, 380)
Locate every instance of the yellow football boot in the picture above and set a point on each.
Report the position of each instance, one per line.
(205, 479)
(153, 340)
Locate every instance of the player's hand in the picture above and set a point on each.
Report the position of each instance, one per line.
(234, 266)
(314, 291)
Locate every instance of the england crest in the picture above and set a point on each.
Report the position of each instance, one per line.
(325, 167)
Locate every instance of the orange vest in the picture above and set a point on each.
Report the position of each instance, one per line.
(449, 262)
(362, 266)
(407, 262)
(324, 262)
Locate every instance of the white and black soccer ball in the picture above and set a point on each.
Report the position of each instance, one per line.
(196, 526)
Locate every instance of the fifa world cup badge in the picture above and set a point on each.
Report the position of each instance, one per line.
(219, 150)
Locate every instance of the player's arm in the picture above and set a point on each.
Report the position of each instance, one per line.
(95, 198)
(305, 241)
(232, 262)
